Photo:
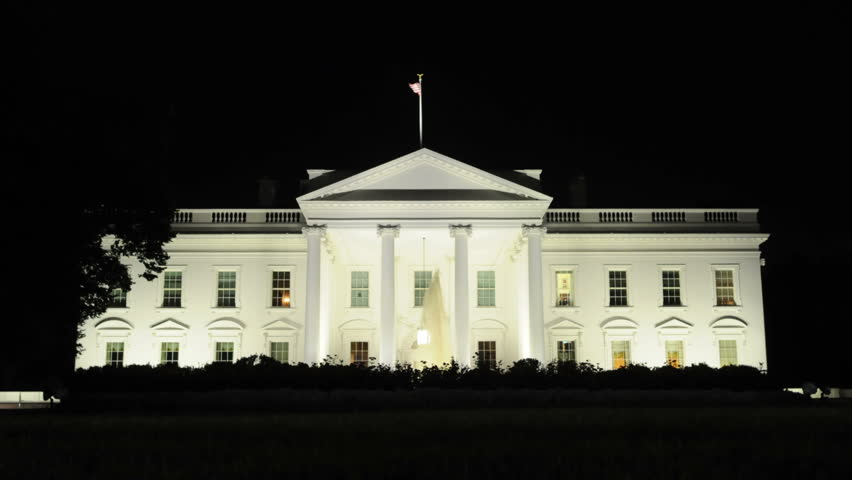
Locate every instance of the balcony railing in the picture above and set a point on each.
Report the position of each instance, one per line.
(237, 217)
(650, 217)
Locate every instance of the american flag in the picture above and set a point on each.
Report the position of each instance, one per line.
(415, 87)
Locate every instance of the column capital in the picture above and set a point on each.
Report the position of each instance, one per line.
(533, 230)
(314, 230)
(457, 230)
(383, 230)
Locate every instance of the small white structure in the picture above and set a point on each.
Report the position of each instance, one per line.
(346, 276)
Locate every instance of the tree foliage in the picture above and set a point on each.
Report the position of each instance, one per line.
(110, 235)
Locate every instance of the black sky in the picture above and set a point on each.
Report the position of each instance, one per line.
(687, 108)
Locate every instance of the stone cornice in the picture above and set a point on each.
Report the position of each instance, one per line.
(529, 230)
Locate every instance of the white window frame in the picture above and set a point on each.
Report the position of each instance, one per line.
(485, 268)
(123, 352)
(628, 278)
(565, 330)
(630, 350)
(237, 294)
(169, 330)
(617, 329)
(674, 328)
(160, 350)
(161, 285)
(411, 272)
(358, 331)
(283, 330)
(730, 328)
(224, 330)
(735, 269)
(681, 269)
(682, 352)
(113, 330)
(370, 286)
(554, 290)
(488, 330)
(267, 296)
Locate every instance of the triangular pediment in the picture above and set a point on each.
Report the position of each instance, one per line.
(673, 324)
(424, 175)
(283, 324)
(564, 324)
(169, 324)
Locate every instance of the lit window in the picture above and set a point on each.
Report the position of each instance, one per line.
(725, 287)
(281, 289)
(564, 289)
(566, 351)
(115, 354)
(727, 352)
(226, 291)
(169, 352)
(359, 353)
(620, 354)
(674, 353)
(172, 284)
(485, 289)
(617, 288)
(224, 351)
(118, 298)
(280, 351)
(671, 287)
(422, 280)
(360, 294)
(486, 355)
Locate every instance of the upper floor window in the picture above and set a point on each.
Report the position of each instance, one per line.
(115, 354)
(226, 291)
(172, 286)
(485, 289)
(617, 288)
(725, 287)
(281, 289)
(671, 288)
(360, 289)
(118, 299)
(422, 280)
(564, 289)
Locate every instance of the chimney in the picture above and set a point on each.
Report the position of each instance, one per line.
(577, 189)
(267, 192)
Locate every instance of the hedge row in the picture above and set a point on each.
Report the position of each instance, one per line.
(261, 372)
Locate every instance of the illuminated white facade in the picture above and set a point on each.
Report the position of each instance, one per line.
(339, 277)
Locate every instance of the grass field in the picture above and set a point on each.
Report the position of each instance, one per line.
(599, 443)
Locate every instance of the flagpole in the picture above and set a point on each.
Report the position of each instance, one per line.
(420, 80)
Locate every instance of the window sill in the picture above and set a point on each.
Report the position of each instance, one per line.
(622, 309)
(118, 309)
(234, 310)
(279, 309)
(170, 309)
(565, 309)
(674, 308)
(727, 308)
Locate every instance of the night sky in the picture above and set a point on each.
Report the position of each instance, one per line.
(656, 109)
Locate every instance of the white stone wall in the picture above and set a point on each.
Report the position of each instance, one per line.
(254, 322)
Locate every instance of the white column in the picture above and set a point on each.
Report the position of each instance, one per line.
(534, 234)
(314, 233)
(462, 310)
(387, 349)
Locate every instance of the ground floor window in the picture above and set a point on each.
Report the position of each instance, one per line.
(486, 355)
(115, 354)
(566, 351)
(359, 353)
(280, 351)
(620, 354)
(727, 352)
(674, 353)
(224, 351)
(169, 352)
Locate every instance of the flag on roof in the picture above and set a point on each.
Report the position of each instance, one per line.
(415, 87)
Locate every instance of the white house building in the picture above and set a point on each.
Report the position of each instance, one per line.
(424, 258)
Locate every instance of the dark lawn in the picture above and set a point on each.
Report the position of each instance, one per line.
(599, 443)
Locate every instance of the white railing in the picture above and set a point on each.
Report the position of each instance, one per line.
(237, 217)
(650, 216)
